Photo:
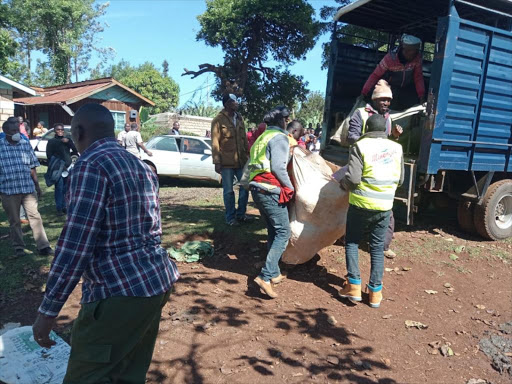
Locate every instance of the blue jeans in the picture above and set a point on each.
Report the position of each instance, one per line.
(60, 194)
(228, 175)
(377, 222)
(278, 226)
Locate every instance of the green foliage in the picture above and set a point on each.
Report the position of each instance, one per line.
(198, 109)
(251, 33)
(7, 52)
(312, 110)
(147, 80)
(65, 30)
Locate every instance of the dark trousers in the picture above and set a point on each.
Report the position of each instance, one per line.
(389, 232)
(60, 194)
(359, 220)
(113, 340)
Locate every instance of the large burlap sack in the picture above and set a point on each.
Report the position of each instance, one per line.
(342, 132)
(318, 213)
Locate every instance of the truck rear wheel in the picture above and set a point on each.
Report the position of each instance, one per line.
(493, 218)
(465, 216)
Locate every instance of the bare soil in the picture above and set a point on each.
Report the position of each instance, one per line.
(218, 328)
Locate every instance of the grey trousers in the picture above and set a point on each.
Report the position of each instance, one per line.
(12, 204)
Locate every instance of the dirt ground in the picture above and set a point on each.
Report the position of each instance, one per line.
(218, 328)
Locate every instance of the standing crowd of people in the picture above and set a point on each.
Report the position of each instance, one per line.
(111, 240)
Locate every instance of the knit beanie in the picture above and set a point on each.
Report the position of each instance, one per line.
(376, 123)
(382, 89)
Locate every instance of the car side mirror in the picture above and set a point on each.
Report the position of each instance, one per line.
(207, 151)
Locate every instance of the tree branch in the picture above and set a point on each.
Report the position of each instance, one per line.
(203, 68)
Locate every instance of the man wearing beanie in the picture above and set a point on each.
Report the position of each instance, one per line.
(403, 69)
(381, 99)
(375, 170)
(230, 153)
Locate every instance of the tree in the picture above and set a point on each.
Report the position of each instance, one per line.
(147, 80)
(65, 30)
(165, 68)
(251, 33)
(312, 110)
(7, 43)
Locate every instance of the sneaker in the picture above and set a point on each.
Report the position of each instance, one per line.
(390, 254)
(351, 292)
(233, 223)
(48, 251)
(266, 287)
(244, 219)
(278, 279)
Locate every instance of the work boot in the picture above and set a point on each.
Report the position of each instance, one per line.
(278, 279)
(266, 287)
(375, 296)
(351, 291)
(390, 254)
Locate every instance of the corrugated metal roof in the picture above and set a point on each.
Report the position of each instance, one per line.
(71, 93)
(58, 96)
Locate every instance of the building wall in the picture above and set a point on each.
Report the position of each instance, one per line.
(188, 124)
(6, 104)
(52, 113)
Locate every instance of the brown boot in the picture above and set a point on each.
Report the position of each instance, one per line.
(266, 287)
(375, 298)
(278, 279)
(351, 292)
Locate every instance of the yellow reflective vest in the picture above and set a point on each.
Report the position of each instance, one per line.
(364, 118)
(382, 166)
(258, 162)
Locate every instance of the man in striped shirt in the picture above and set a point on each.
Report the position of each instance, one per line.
(111, 240)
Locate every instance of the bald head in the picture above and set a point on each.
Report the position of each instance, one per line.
(91, 122)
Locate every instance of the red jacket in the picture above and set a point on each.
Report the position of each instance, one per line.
(397, 74)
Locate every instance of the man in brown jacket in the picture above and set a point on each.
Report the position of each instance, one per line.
(230, 153)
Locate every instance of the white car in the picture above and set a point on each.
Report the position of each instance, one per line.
(39, 144)
(182, 157)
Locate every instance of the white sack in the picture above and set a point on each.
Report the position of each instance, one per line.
(319, 211)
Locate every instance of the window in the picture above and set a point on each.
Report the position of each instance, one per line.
(119, 119)
(166, 144)
(194, 146)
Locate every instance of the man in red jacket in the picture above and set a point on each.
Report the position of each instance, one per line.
(401, 69)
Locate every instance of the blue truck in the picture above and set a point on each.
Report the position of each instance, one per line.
(459, 150)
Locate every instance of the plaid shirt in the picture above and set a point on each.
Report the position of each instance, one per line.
(112, 234)
(16, 161)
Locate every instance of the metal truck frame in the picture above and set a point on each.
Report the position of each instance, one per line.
(465, 141)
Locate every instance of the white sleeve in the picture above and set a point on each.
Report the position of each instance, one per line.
(139, 138)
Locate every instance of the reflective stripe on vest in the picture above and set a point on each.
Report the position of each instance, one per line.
(259, 162)
(382, 166)
(364, 117)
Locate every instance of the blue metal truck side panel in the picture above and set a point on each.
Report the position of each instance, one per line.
(472, 87)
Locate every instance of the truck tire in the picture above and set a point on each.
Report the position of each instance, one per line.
(465, 216)
(493, 217)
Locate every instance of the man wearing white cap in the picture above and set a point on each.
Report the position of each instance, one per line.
(401, 68)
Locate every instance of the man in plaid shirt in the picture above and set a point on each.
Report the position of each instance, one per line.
(18, 187)
(111, 240)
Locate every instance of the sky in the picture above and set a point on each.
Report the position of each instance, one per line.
(158, 30)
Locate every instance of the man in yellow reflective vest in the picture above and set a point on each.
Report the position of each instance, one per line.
(381, 99)
(271, 190)
(375, 170)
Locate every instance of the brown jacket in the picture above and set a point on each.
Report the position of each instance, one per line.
(229, 143)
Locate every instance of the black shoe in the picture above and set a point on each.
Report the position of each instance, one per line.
(244, 219)
(48, 251)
